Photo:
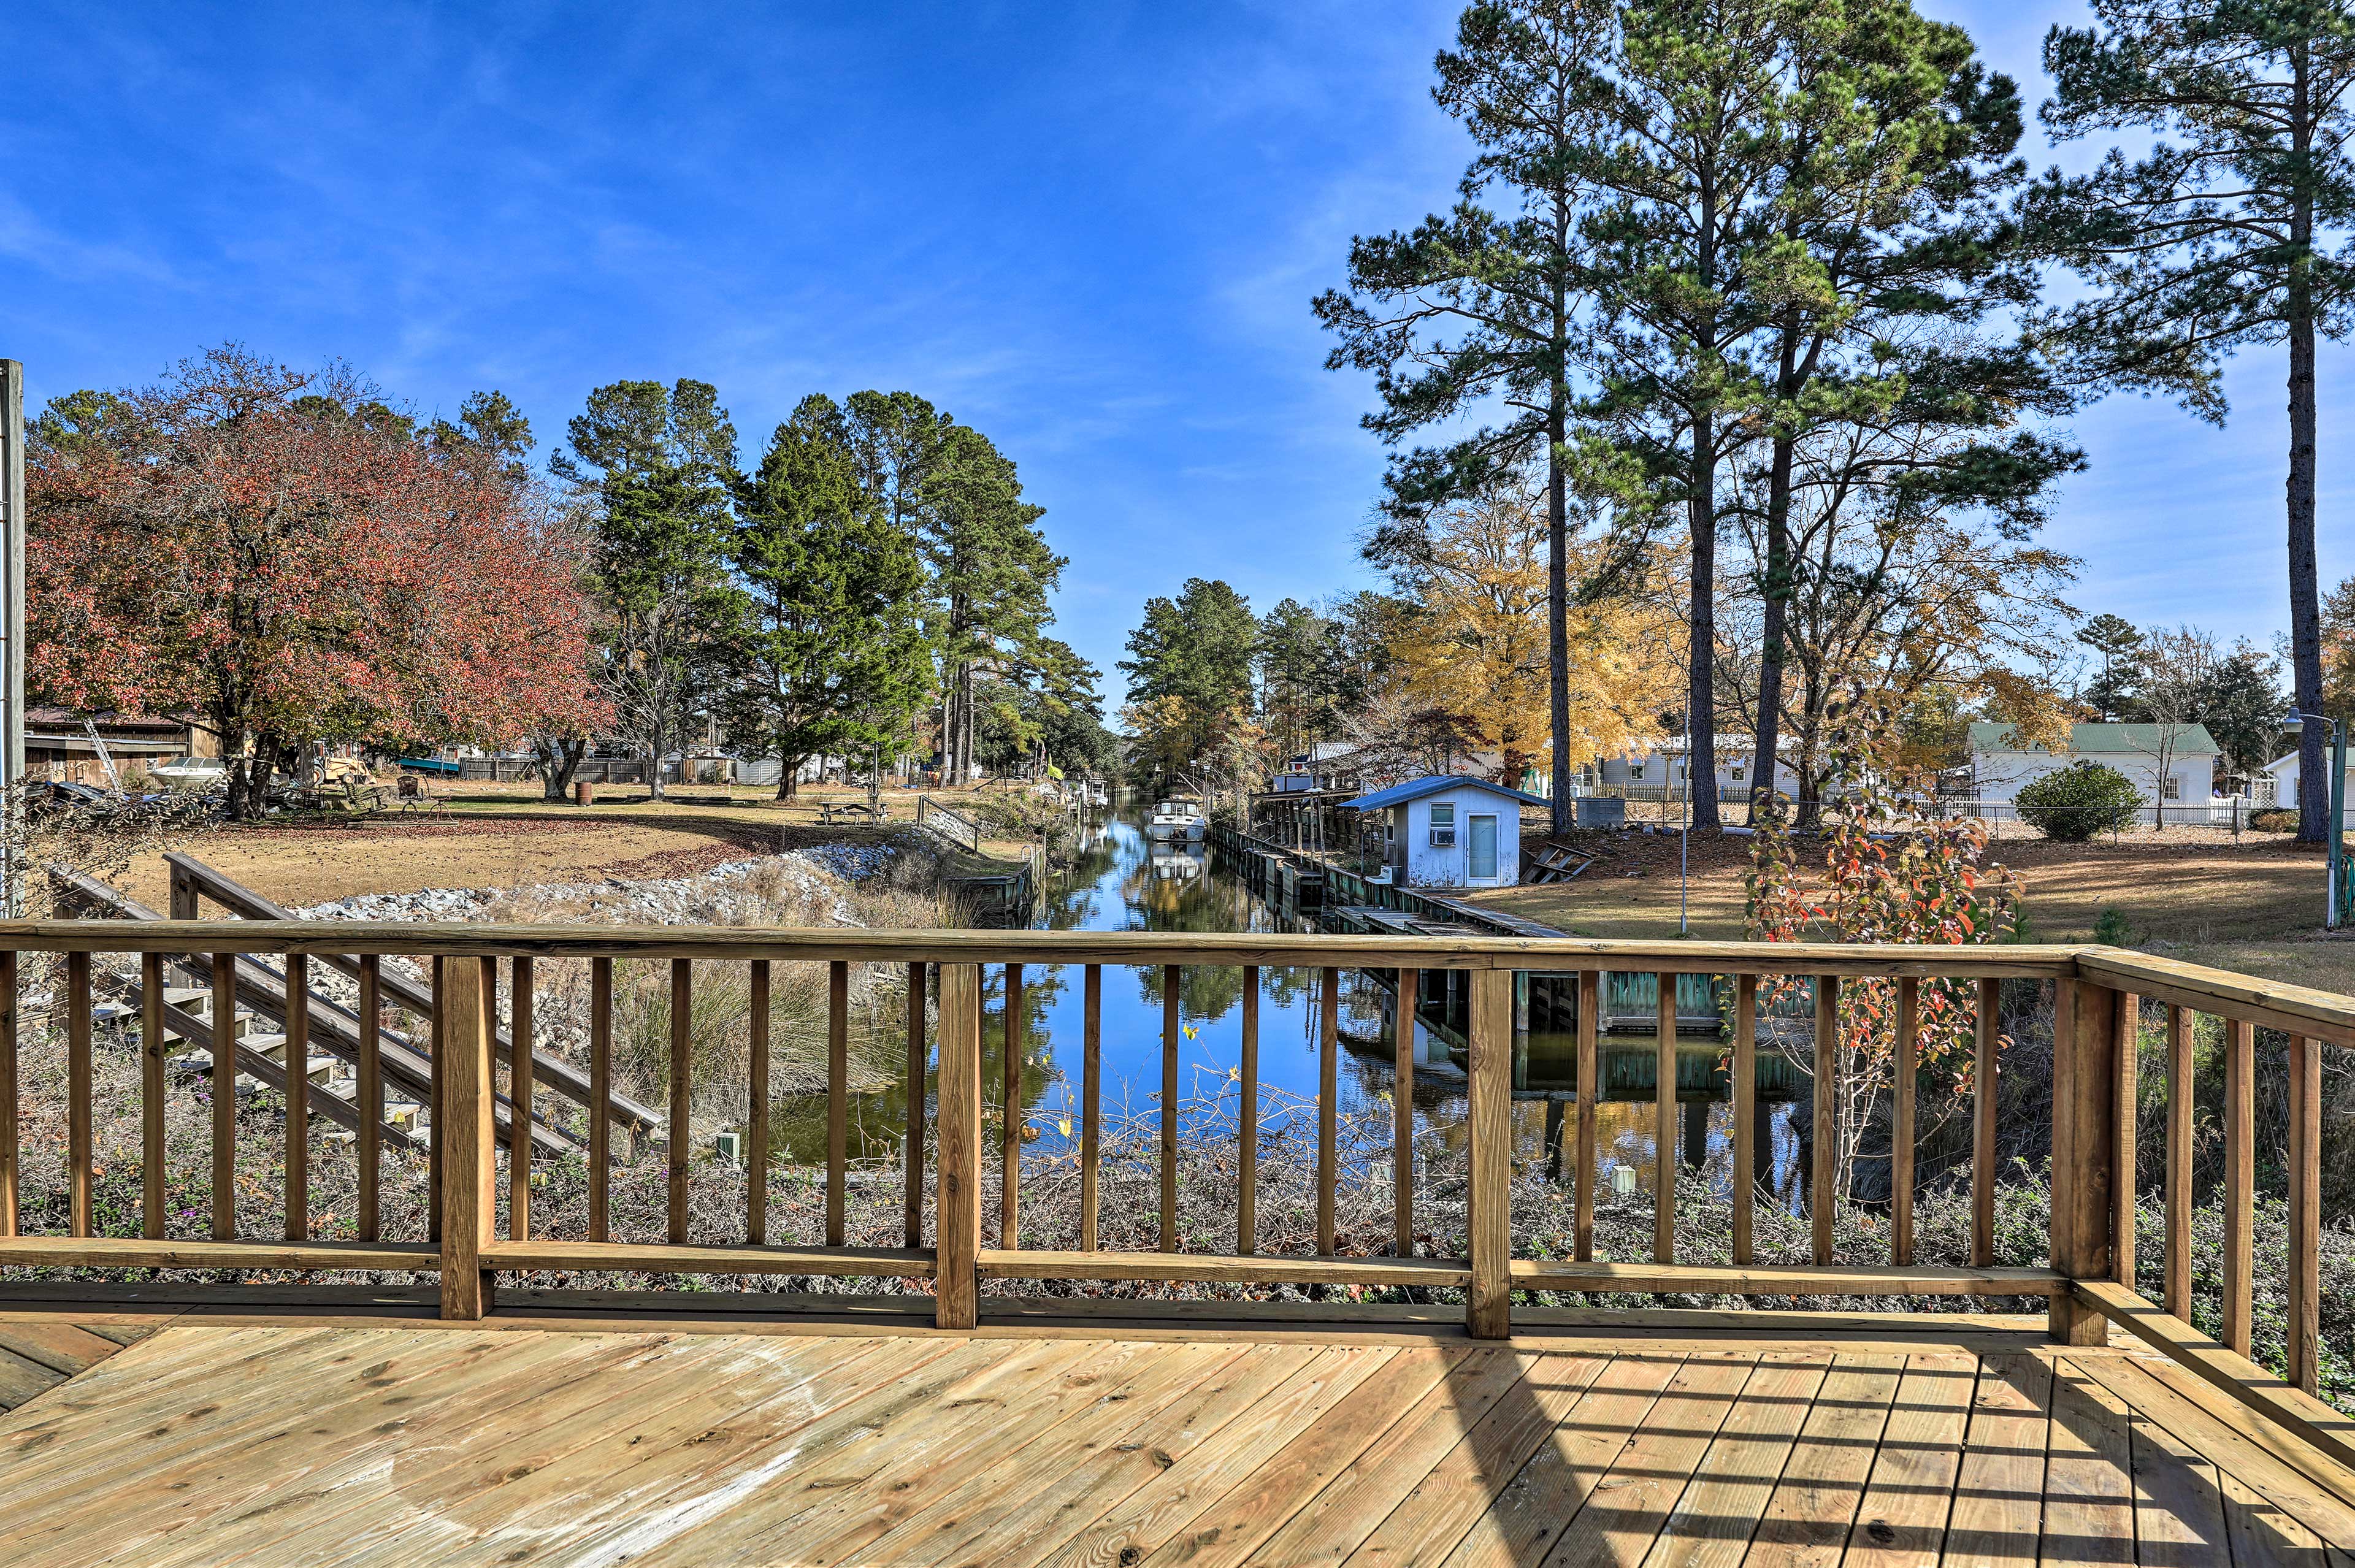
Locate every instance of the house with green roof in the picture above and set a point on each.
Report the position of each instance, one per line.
(2174, 765)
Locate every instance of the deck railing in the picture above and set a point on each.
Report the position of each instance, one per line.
(2089, 1279)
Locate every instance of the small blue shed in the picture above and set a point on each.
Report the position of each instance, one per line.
(1447, 831)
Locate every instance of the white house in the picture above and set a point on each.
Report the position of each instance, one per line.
(1448, 831)
(2283, 772)
(2173, 763)
(1664, 767)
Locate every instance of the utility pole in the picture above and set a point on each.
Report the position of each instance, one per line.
(12, 636)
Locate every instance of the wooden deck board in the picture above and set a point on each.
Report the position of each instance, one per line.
(402, 1444)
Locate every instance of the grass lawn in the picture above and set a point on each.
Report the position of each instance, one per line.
(2192, 893)
(505, 835)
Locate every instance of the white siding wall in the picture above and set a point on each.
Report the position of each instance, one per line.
(1999, 775)
(1427, 866)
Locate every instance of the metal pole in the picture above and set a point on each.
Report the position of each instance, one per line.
(1684, 837)
(12, 633)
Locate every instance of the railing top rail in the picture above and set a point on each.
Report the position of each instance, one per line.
(2274, 1004)
(981, 946)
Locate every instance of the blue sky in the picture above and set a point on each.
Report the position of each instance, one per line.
(1093, 231)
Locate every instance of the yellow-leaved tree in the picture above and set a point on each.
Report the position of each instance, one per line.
(1470, 641)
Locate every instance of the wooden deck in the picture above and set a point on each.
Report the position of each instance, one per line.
(215, 1438)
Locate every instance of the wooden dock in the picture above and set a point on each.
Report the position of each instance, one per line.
(1660, 1438)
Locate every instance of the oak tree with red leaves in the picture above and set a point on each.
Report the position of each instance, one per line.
(280, 551)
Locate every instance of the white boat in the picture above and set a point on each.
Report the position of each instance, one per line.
(1181, 821)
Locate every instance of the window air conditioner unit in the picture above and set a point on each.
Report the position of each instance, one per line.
(1443, 839)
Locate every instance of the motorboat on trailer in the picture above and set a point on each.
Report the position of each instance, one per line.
(1179, 820)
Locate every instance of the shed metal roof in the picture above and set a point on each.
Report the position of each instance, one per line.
(1415, 789)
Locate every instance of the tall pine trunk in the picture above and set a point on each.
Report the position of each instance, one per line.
(1777, 590)
(1558, 613)
(1701, 697)
(2314, 824)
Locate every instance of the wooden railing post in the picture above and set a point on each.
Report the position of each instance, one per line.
(1488, 1304)
(2085, 1153)
(465, 1134)
(956, 1149)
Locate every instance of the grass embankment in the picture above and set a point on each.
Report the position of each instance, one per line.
(2254, 907)
(505, 835)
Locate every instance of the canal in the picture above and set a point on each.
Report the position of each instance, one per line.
(1120, 881)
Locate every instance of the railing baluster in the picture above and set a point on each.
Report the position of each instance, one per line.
(1487, 1312)
(2304, 1261)
(956, 1300)
(682, 1044)
(521, 1035)
(224, 1091)
(1745, 1111)
(600, 1088)
(8, 1146)
(838, 1099)
(2127, 1064)
(151, 1154)
(1247, 1169)
(1983, 1126)
(1664, 1120)
(1329, 1094)
(1091, 1096)
(1169, 1027)
(1902, 1071)
(1825, 1173)
(2084, 1124)
(469, 1129)
(2180, 1105)
(2239, 1179)
(1590, 1086)
(438, 1025)
(1403, 1110)
(1010, 1144)
(367, 1145)
(298, 1097)
(914, 1158)
(756, 1113)
(78, 1158)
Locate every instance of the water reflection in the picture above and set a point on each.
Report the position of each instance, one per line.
(1122, 882)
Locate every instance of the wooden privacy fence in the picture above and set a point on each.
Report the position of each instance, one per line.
(2088, 1278)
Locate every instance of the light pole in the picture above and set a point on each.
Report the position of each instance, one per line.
(2333, 897)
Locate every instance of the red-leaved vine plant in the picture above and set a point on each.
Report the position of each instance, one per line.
(1893, 870)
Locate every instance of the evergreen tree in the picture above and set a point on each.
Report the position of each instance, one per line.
(2118, 643)
(992, 574)
(1189, 672)
(830, 655)
(1478, 307)
(2219, 237)
(658, 467)
(2245, 707)
(1896, 144)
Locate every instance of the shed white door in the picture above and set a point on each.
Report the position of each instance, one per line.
(1483, 848)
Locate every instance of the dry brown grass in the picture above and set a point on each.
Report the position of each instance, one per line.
(2254, 906)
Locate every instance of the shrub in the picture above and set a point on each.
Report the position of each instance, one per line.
(2075, 803)
(2279, 819)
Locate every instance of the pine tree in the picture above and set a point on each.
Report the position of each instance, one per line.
(2217, 238)
(2118, 643)
(1478, 307)
(830, 655)
(658, 467)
